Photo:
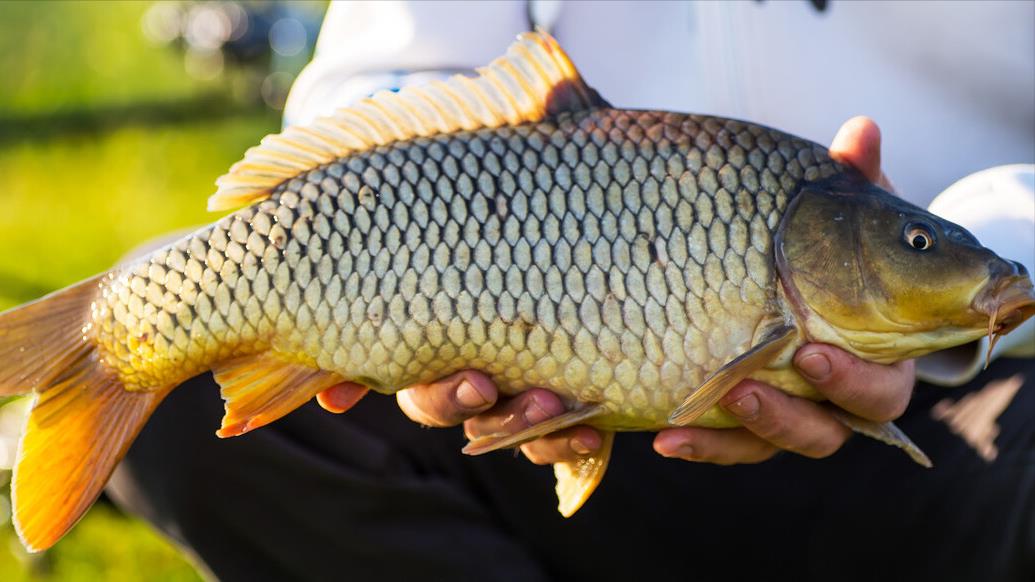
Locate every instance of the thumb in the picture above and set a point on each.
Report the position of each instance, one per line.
(858, 144)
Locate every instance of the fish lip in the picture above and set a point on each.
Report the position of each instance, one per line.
(1008, 303)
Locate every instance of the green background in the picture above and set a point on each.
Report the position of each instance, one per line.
(105, 142)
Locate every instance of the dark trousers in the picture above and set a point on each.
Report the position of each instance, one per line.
(369, 495)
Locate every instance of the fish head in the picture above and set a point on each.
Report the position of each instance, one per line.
(887, 280)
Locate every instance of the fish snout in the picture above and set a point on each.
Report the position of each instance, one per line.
(1008, 300)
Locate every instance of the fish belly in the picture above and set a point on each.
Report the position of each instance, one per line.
(611, 256)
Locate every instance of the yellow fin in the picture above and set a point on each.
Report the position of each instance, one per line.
(262, 388)
(885, 432)
(77, 432)
(533, 80)
(493, 442)
(577, 480)
(40, 340)
(721, 382)
(82, 421)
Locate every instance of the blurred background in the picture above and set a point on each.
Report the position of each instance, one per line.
(115, 120)
(117, 117)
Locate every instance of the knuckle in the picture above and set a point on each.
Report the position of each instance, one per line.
(524, 399)
(772, 427)
(846, 387)
(542, 397)
(840, 384)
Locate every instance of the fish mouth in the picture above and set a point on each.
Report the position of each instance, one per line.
(1008, 304)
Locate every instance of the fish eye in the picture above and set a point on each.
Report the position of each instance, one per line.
(919, 236)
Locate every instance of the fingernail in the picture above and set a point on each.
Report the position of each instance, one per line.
(684, 452)
(469, 397)
(579, 447)
(534, 414)
(746, 407)
(816, 367)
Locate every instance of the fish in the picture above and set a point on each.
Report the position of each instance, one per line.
(637, 263)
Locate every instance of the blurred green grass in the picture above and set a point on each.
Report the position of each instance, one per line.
(76, 196)
(72, 206)
(66, 55)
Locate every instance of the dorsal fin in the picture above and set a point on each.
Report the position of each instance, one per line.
(534, 80)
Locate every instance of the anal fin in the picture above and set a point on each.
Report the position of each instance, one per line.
(885, 432)
(261, 388)
(78, 430)
(721, 382)
(493, 442)
(577, 480)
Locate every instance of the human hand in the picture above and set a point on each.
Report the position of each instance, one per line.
(772, 420)
(470, 397)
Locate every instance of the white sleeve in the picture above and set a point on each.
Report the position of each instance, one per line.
(998, 207)
(368, 46)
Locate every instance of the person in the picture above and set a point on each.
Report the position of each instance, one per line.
(372, 495)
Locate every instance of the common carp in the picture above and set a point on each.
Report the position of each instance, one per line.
(637, 263)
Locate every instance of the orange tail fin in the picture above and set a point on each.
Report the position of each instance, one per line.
(82, 421)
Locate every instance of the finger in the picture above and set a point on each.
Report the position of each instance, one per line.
(449, 401)
(788, 422)
(720, 446)
(563, 446)
(858, 144)
(516, 414)
(873, 391)
(341, 397)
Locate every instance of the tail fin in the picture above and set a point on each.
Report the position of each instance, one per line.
(77, 432)
(40, 340)
(83, 419)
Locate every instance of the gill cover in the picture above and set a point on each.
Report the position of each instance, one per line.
(878, 276)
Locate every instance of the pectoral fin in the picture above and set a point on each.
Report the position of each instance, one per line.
(885, 432)
(577, 480)
(721, 382)
(492, 442)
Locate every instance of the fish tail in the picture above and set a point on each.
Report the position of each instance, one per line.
(42, 339)
(82, 420)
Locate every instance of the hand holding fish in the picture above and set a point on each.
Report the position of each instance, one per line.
(772, 420)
